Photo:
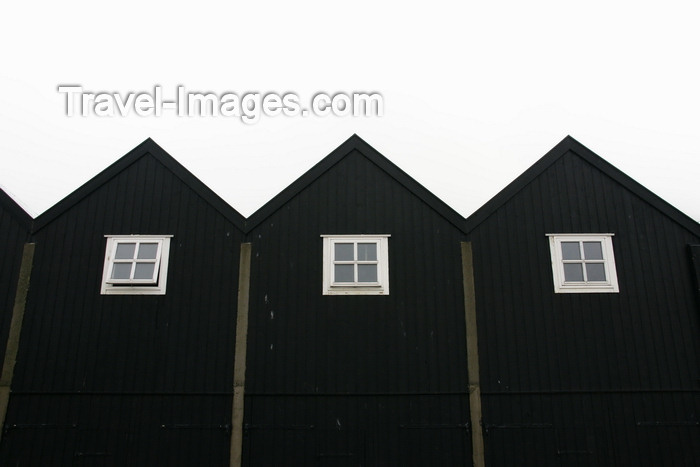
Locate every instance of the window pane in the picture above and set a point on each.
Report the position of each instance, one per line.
(121, 270)
(595, 272)
(573, 272)
(148, 250)
(344, 273)
(592, 250)
(125, 250)
(344, 252)
(367, 252)
(367, 273)
(144, 270)
(570, 250)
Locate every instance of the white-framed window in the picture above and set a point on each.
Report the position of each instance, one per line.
(583, 263)
(136, 265)
(355, 264)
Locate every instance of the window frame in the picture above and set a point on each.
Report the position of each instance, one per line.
(154, 286)
(610, 285)
(380, 287)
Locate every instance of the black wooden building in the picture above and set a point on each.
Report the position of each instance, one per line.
(353, 320)
(348, 378)
(578, 378)
(128, 379)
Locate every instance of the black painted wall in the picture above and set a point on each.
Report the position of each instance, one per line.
(128, 380)
(356, 380)
(586, 379)
(566, 379)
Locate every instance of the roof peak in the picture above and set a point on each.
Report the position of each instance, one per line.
(570, 145)
(146, 147)
(354, 143)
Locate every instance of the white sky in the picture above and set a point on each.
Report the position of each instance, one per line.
(474, 92)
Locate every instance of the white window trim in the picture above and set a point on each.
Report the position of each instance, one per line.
(131, 286)
(561, 286)
(381, 287)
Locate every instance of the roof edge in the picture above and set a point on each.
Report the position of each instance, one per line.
(294, 188)
(554, 154)
(637, 188)
(354, 143)
(16, 210)
(148, 146)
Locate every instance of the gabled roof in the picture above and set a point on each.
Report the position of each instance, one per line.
(567, 145)
(148, 147)
(355, 143)
(11, 206)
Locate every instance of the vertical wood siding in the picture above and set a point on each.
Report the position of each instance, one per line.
(166, 352)
(642, 340)
(566, 379)
(406, 344)
(354, 430)
(117, 430)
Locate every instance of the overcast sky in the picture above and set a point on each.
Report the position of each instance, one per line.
(474, 92)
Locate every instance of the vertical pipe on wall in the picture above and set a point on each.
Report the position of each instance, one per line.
(8, 366)
(472, 356)
(240, 356)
